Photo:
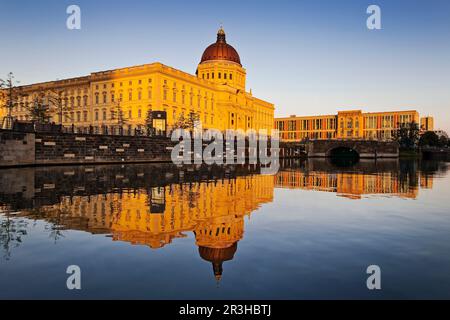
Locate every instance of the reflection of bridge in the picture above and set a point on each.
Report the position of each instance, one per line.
(363, 148)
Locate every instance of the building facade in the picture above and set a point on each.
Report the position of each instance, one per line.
(352, 124)
(427, 124)
(216, 96)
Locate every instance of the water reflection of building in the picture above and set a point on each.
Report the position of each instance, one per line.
(351, 184)
(214, 211)
(153, 204)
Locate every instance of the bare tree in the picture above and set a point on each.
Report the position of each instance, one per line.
(56, 102)
(39, 109)
(9, 94)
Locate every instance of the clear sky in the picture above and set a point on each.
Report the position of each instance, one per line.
(308, 57)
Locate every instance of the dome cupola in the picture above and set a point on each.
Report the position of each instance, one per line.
(221, 50)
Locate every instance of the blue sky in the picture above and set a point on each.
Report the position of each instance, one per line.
(307, 57)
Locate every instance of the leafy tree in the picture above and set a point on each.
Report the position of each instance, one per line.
(193, 121)
(181, 123)
(119, 115)
(407, 135)
(429, 139)
(443, 141)
(149, 121)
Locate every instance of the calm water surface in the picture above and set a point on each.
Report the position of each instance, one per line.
(162, 232)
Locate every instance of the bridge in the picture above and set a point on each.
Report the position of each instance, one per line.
(370, 149)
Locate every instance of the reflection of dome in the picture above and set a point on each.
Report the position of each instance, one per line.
(221, 50)
(217, 256)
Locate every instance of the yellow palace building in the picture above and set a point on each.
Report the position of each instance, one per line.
(352, 124)
(215, 96)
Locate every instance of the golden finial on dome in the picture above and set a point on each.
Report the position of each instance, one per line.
(221, 35)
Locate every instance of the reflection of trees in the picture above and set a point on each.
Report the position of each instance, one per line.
(55, 227)
(193, 197)
(11, 233)
(56, 221)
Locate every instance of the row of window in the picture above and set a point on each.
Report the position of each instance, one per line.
(307, 135)
(112, 95)
(130, 83)
(306, 124)
(219, 75)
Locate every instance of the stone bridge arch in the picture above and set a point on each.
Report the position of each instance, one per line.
(364, 148)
